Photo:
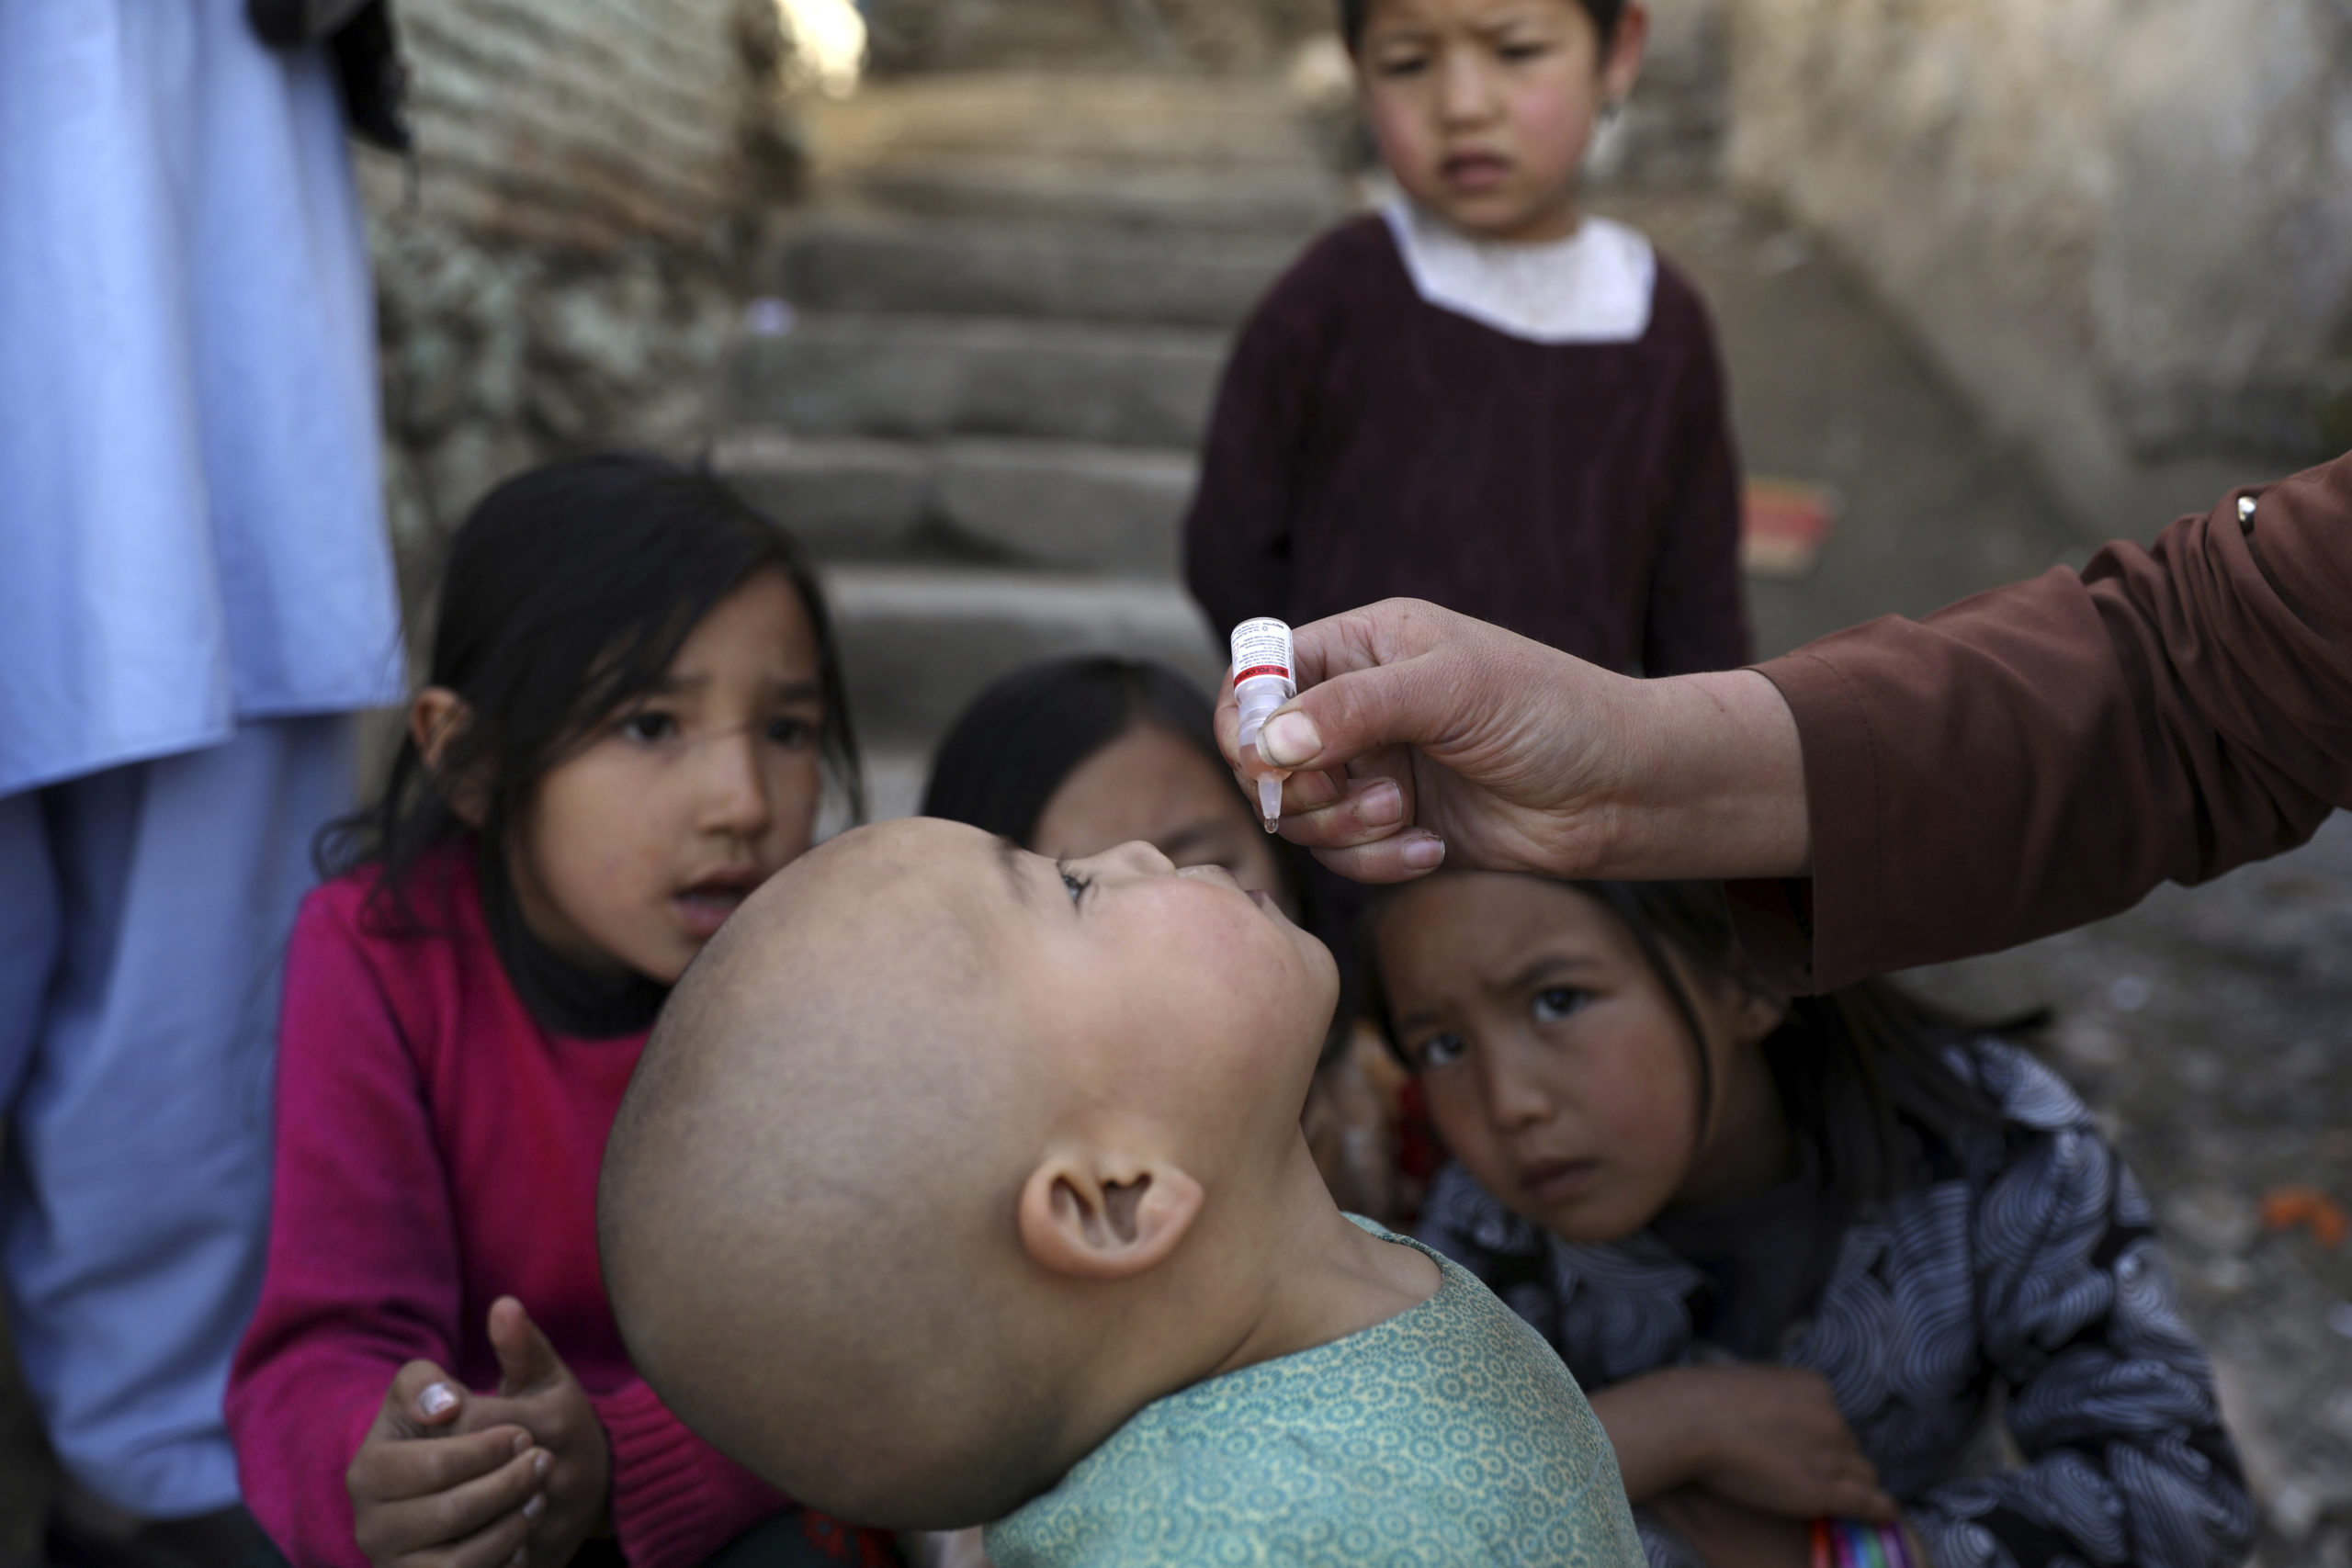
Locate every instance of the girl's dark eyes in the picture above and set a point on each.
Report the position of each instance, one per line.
(1075, 884)
(652, 725)
(1556, 1002)
(1438, 1051)
(648, 727)
(1401, 64)
(1519, 52)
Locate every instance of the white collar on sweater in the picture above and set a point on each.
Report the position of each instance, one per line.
(1593, 286)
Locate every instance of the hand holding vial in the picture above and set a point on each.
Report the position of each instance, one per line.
(1418, 735)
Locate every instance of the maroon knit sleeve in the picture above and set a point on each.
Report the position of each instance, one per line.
(2046, 753)
(1697, 614)
(363, 1269)
(676, 1500)
(1237, 534)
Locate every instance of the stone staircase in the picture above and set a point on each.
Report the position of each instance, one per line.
(1010, 300)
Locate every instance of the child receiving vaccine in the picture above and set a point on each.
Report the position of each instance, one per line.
(1482, 396)
(633, 706)
(960, 1184)
(1839, 1272)
(1073, 756)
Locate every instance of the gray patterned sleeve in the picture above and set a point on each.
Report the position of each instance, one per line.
(2110, 1398)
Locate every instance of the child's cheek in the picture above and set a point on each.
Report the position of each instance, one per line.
(1552, 129)
(1406, 145)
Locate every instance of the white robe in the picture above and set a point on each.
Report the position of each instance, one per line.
(191, 512)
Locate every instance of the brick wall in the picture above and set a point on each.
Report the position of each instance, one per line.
(566, 260)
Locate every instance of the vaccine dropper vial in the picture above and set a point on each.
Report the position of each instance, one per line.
(1262, 681)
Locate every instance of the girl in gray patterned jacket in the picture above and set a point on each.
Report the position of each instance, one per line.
(1842, 1257)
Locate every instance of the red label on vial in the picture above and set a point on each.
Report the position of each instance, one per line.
(1255, 669)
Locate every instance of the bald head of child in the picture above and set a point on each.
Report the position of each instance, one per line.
(945, 1158)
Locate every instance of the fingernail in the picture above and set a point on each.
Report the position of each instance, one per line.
(436, 1398)
(522, 1441)
(539, 1467)
(536, 1506)
(516, 1560)
(1288, 739)
(1384, 802)
(1426, 852)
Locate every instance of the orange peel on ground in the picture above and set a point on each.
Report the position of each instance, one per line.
(2284, 1207)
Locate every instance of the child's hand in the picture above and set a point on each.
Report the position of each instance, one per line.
(538, 1393)
(1732, 1535)
(1773, 1438)
(1770, 1438)
(423, 1496)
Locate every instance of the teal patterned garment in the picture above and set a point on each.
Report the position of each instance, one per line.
(1449, 1435)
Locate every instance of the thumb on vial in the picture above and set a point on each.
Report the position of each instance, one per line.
(1289, 739)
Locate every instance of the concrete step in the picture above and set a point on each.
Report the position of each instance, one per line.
(1168, 151)
(924, 376)
(1065, 507)
(1106, 192)
(917, 643)
(1238, 122)
(838, 263)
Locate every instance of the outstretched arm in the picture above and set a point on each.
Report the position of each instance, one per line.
(2023, 761)
(2046, 754)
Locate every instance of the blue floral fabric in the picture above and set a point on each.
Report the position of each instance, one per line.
(2017, 1291)
(1449, 1435)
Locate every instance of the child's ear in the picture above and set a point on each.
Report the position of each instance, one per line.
(1626, 46)
(435, 719)
(1761, 1012)
(1092, 1214)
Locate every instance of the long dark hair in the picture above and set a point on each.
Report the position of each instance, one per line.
(1851, 1068)
(566, 592)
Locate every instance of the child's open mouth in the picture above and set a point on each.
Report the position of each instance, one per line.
(702, 907)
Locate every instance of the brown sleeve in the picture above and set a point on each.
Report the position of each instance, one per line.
(2044, 754)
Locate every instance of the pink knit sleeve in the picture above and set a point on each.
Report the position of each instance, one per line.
(363, 1269)
(676, 1499)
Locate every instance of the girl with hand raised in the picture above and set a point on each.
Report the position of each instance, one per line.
(633, 706)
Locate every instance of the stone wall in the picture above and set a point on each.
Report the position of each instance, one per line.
(565, 259)
(2123, 226)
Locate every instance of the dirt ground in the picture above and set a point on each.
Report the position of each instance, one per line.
(2212, 1028)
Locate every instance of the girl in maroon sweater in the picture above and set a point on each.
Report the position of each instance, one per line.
(634, 704)
(1481, 396)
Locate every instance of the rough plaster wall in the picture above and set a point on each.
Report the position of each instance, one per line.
(2124, 226)
(563, 264)
(1673, 128)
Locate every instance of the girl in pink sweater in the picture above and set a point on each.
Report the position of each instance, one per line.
(634, 708)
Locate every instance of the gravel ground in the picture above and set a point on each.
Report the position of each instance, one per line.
(2212, 1027)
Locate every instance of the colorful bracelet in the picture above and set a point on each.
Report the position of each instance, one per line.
(1851, 1543)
